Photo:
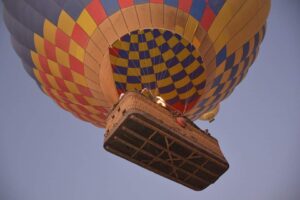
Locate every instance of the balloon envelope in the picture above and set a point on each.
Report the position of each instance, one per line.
(85, 53)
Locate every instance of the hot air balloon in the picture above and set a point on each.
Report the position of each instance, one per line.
(191, 54)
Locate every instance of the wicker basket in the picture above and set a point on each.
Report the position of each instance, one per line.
(147, 134)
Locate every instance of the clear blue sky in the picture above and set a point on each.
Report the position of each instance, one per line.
(47, 154)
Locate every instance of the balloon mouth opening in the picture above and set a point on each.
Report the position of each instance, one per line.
(162, 61)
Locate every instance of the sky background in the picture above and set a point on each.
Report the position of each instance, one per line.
(47, 154)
